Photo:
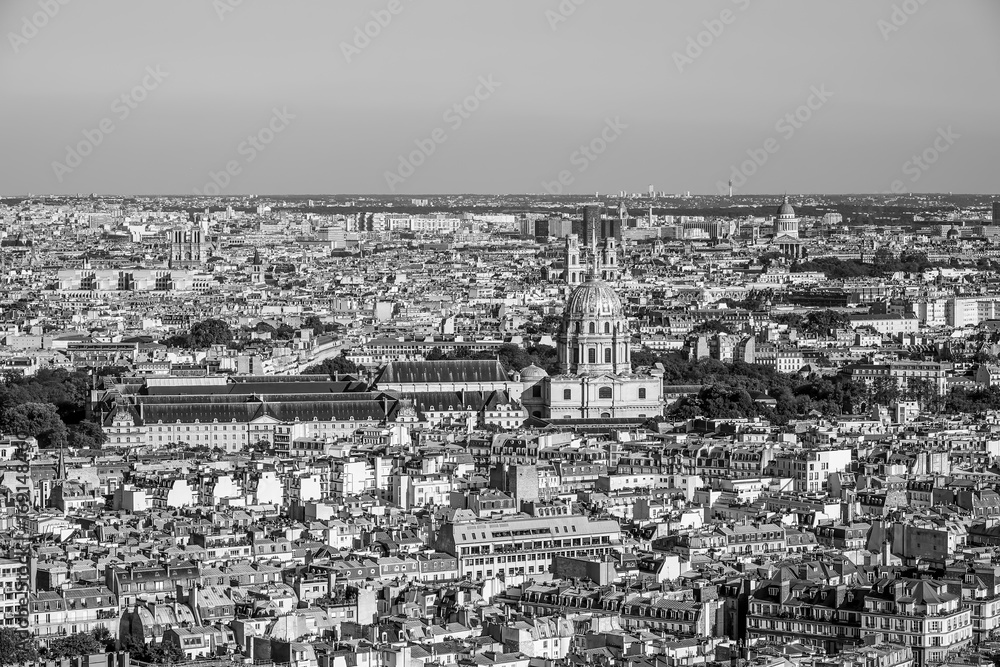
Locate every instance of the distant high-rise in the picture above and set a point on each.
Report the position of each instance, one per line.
(651, 192)
(996, 213)
(588, 228)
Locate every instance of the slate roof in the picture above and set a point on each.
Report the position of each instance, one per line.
(437, 401)
(329, 407)
(420, 372)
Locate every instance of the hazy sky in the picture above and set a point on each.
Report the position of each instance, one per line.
(673, 113)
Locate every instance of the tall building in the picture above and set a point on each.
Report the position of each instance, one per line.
(593, 214)
(996, 213)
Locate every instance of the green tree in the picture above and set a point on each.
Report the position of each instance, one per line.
(70, 646)
(16, 647)
(39, 420)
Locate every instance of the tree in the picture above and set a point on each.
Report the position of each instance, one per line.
(549, 325)
(70, 646)
(104, 636)
(884, 391)
(17, 647)
(513, 357)
(161, 653)
(39, 420)
(67, 391)
(712, 327)
(315, 323)
(545, 357)
(86, 435)
(822, 322)
(339, 365)
(208, 333)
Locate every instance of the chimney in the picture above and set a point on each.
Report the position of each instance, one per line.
(841, 595)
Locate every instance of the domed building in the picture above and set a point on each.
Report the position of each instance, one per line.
(786, 231)
(594, 336)
(595, 378)
(785, 221)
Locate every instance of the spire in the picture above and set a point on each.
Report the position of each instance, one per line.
(594, 271)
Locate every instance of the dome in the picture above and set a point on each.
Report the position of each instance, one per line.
(533, 372)
(786, 210)
(594, 298)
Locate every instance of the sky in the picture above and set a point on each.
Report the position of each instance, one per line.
(498, 96)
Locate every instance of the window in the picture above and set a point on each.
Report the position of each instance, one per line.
(567, 394)
(536, 391)
(593, 328)
(642, 392)
(592, 356)
(607, 327)
(604, 393)
(607, 355)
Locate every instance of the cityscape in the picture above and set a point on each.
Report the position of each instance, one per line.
(544, 333)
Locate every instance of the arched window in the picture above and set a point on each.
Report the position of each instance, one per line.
(604, 393)
(567, 394)
(592, 356)
(607, 355)
(593, 328)
(607, 327)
